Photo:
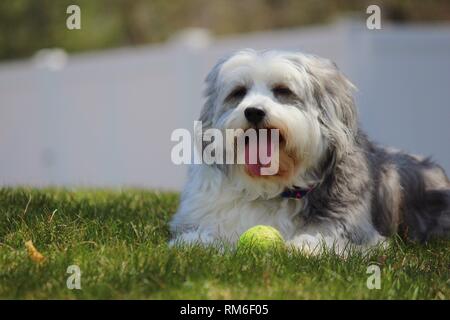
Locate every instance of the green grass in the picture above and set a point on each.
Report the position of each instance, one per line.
(119, 240)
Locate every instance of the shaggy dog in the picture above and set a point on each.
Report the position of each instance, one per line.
(334, 188)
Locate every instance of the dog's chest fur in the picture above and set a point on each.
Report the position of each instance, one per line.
(217, 207)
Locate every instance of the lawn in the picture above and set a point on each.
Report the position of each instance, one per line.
(119, 241)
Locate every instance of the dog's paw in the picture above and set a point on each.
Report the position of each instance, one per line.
(306, 244)
(191, 238)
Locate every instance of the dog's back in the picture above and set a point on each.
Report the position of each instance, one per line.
(413, 197)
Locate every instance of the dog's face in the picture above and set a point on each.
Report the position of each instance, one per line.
(305, 97)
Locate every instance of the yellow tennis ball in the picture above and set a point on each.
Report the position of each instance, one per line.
(261, 237)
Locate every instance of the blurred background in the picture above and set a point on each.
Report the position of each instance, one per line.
(96, 106)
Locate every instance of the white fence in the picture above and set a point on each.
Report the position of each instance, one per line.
(105, 119)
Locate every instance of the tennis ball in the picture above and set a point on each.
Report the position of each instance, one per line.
(261, 238)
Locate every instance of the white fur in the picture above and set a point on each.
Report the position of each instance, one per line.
(219, 206)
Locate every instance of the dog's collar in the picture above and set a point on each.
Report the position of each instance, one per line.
(296, 192)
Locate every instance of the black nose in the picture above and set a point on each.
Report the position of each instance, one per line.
(254, 115)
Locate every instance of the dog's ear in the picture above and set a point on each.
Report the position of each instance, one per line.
(332, 92)
(210, 94)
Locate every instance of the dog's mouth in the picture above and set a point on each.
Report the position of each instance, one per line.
(260, 153)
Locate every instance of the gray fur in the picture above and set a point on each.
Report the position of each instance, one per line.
(402, 194)
(416, 213)
(356, 169)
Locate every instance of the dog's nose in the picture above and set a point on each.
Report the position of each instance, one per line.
(254, 115)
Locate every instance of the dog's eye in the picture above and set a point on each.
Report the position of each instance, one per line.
(237, 93)
(282, 91)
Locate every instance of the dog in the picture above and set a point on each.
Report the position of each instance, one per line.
(335, 189)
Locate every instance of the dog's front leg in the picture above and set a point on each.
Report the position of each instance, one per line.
(192, 237)
(307, 244)
(318, 243)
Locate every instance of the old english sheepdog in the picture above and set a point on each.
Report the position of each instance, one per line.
(334, 189)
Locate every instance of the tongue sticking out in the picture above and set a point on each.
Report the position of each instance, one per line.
(258, 154)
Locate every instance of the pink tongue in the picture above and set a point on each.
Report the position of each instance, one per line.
(253, 149)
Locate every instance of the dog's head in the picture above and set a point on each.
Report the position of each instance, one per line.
(303, 96)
